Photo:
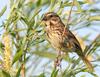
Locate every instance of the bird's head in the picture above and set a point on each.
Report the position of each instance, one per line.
(51, 17)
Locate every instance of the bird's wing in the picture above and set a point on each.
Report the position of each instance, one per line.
(73, 42)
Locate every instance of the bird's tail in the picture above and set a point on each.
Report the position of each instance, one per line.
(88, 64)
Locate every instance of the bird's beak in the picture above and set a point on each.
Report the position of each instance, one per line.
(44, 19)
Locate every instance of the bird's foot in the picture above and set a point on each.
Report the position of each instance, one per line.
(57, 62)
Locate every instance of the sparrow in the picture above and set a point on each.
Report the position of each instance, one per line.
(61, 38)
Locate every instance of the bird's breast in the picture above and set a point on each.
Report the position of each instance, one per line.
(54, 37)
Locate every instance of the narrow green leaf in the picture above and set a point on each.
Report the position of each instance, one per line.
(18, 73)
(52, 4)
(66, 3)
(94, 74)
(5, 74)
(17, 56)
(39, 2)
(11, 3)
(3, 11)
(94, 45)
(49, 55)
(96, 18)
(88, 49)
(45, 54)
(41, 75)
(25, 19)
(54, 73)
(78, 6)
(83, 76)
(32, 20)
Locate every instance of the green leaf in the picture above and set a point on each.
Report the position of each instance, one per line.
(32, 19)
(93, 48)
(54, 73)
(5, 74)
(41, 75)
(11, 2)
(78, 6)
(94, 74)
(45, 54)
(17, 56)
(49, 55)
(53, 2)
(18, 73)
(88, 50)
(25, 19)
(83, 76)
(66, 3)
(3, 11)
(96, 18)
(39, 2)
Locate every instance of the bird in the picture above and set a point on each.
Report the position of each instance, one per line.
(61, 38)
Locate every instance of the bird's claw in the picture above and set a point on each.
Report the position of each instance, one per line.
(57, 62)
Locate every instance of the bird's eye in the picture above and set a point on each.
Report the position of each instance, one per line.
(51, 15)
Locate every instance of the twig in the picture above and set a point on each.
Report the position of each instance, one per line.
(22, 70)
(68, 17)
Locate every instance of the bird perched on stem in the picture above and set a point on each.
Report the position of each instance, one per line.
(61, 38)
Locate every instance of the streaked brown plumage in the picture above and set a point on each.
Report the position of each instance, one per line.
(62, 40)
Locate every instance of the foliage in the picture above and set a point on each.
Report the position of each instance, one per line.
(23, 49)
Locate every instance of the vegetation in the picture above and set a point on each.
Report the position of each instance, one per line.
(24, 52)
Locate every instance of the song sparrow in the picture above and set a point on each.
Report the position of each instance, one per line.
(62, 40)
